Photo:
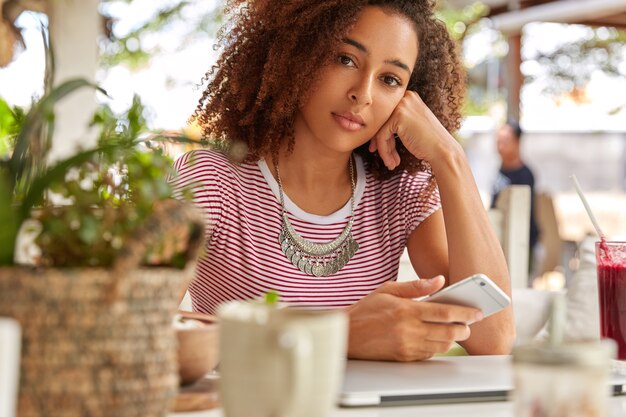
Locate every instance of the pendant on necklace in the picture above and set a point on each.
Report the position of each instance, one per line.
(317, 259)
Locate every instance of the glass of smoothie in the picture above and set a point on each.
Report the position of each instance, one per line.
(611, 262)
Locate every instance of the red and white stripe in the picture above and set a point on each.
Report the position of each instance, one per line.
(243, 259)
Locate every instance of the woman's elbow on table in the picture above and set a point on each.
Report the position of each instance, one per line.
(496, 341)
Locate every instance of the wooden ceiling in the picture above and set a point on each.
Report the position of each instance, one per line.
(617, 20)
(499, 7)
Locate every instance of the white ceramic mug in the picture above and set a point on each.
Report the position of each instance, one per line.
(10, 347)
(280, 362)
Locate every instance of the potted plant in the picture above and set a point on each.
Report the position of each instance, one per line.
(97, 303)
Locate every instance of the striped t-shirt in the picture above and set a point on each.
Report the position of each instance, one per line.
(242, 210)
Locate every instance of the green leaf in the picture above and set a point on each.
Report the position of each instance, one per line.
(89, 230)
(7, 119)
(271, 297)
(29, 138)
(35, 192)
(10, 123)
(9, 221)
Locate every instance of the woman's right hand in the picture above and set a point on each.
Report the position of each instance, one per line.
(389, 325)
(419, 130)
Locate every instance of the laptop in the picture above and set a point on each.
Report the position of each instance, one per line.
(440, 380)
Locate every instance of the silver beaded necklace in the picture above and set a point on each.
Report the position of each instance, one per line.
(318, 259)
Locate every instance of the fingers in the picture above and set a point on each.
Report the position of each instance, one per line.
(413, 289)
(373, 147)
(435, 347)
(445, 313)
(389, 325)
(385, 139)
(385, 143)
(431, 312)
(425, 340)
(447, 333)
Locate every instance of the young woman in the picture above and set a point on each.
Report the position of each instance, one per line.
(343, 110)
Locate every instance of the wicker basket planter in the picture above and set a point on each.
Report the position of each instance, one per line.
(85, 356)
(100, 341)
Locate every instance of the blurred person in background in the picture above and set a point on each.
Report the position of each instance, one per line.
(513, 171)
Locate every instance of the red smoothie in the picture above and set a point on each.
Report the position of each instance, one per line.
(611, 260)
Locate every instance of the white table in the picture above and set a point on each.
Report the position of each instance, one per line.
(617, 404)
(492, 409)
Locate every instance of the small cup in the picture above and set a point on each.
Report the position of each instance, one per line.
(280, 362)
(611, 264)
(562, 380)
(198, 352)
(10, 347)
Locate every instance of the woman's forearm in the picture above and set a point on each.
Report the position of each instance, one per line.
(472, 246)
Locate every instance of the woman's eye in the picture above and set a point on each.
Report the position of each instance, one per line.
(346, 60)
(392, 81)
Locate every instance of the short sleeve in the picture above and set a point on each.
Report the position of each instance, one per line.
(197, 176)
(419, 198)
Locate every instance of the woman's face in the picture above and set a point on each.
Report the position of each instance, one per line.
(366, 80)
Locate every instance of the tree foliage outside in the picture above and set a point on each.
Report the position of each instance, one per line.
(568, 68)
(470, 27)
(133, 46)
(167, 26)
(564, 70)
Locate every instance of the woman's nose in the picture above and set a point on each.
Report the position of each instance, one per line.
(361, 92)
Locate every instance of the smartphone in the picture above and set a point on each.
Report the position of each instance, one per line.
(476, 291)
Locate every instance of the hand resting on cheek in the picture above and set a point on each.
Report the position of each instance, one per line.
(413, 123)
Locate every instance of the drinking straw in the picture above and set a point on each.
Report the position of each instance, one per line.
(587, 208)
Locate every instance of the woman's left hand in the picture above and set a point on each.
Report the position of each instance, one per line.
(417, 127)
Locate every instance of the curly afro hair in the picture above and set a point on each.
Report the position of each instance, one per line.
(272, 52)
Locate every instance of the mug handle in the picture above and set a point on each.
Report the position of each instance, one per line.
(298, 344)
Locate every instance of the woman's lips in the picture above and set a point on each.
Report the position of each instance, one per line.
(349, 121)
